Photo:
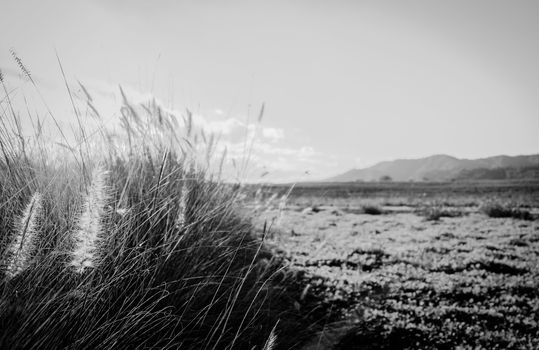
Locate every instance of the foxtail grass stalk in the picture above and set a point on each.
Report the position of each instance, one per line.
(24, 241)
(90, 227)
(180, 220)
(271, 341)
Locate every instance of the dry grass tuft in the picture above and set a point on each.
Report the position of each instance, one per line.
(169, 261)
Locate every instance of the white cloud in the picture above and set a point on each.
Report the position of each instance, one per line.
(273, 134)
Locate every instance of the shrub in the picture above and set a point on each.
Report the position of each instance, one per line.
(372, 210)
(436, 213)
(496, 210)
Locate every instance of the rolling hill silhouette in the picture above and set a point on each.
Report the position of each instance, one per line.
(445, 168)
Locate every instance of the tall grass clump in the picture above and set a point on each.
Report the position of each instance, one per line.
(121, 238)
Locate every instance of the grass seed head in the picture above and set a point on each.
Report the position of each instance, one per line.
(23, 244)
(89, 228)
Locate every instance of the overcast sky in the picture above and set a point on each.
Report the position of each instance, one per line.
(346, 83)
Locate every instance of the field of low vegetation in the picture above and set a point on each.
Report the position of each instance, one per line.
(416, 266)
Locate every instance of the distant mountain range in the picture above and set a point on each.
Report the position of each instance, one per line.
(446, 168)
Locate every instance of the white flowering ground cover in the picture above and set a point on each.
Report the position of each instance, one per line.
(404, 281)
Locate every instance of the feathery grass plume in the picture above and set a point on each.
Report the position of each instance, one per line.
(180, 220)
(20, 250)
(186, 189)
(21, 65)
(272, 340)
(89, 225)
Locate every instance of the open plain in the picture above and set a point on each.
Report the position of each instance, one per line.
(417, 266)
